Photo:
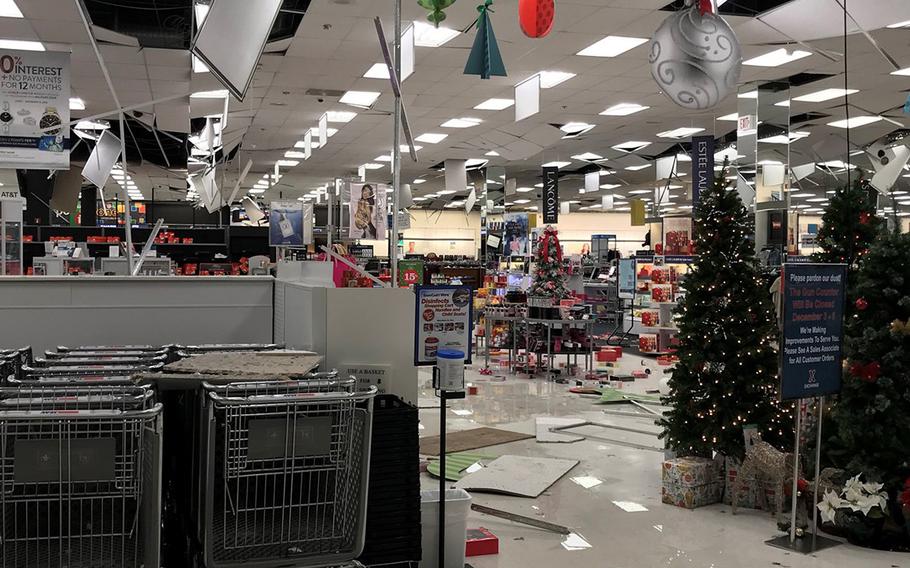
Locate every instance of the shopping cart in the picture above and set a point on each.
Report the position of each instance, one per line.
(106, 355)
(30, 372)
(284, 475)
(73, 361)
(105, 348)
(190, 350)
(80, 478)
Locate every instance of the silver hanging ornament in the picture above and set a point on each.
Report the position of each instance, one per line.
(695, 56)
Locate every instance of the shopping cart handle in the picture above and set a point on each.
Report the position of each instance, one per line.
(80, 414)
(286, 398)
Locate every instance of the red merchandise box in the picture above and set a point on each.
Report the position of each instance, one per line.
(480, 542)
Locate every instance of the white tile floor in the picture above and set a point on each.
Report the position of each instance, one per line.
(663, 536)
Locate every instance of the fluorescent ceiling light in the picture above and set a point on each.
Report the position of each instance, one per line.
(587, 157)
(377, 71)
(418, 181)
(77, 103)
(556, 164)
(904, 71)
(217, 94)
(199, 66)
(92, 125)
(631, 146)
(732, 117)
(681, 132)
(839, 164)
(426, 35)
(475, 163)
(777, 57)
(749, 95)
(492, 153)
(524, 189)
(8, 9)
(824, 95)
(383, 158)
(359, 98)
(447, 192)
(465, 122)
(576, 128)
(855, 121)
(295, 155)
(21, 44)
(495, 104)
(373, 166)
(611, 46)
(612, 186)
(636, 168)
(287, 163)
(521, 201)
(340, 116)
(404, 147)
(624, 109)
(431, 138)
(256, 191)
(314, 132)
(903, 24)
(549, 79)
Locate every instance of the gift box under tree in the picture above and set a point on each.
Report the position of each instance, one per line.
(691, 482)
(749, 496)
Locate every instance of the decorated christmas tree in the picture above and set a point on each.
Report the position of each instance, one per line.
(872, 416)
(726, 377)
(849, 225)
(549, 275)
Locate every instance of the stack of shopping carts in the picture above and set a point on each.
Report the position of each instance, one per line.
(95, 364)
(80, 476)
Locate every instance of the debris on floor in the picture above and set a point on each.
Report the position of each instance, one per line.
(457, 464)
(545, 435)
(481, 542)
(517, 475)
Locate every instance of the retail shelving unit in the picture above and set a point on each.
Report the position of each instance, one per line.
(10, 248)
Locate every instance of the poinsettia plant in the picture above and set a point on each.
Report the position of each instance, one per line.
(856, 497)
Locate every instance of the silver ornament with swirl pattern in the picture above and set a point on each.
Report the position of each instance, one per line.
(695, 58)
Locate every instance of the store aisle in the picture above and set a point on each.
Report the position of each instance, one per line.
(660, 536)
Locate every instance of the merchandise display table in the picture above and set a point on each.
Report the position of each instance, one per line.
(587, 350)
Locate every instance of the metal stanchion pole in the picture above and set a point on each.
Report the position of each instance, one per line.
(795, 473)
(818, 460)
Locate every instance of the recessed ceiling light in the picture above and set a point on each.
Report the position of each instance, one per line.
(475, 163)
(631, 146)
(855, 121)
(732, 117)
(418, 181)
(373, 166)
(587, 157)
(359, 98)
(199, 65)
(903, 24)
(77, 103)
(492, 153)
(636, 168)
(777, 58)
(295, 155)
(495, 104)
(904, 71)
(426, 35)
(8, 9)
(681, 132)
(404, 147)
(576, 128)
(824, 95)
(611, 46)
(21, 44)
(748, 95)
(624, 109)
(610, 186)
(92, 125)
(538, 185)
(556, 164)
(216, 94)
(383, 158)
(287, 163)
(521, 201)
(817, 200)
(340, 116)
(549, 79)
(256, 190)
(447, 192)
(377, 71)
(524, 189)
(431, 138)
(465, 122)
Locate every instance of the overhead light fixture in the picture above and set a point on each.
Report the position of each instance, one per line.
(22, 44)
(576, 128)
(216, 94)
(377, 71)
(636, 168)
(314, 132)
(624, 109)
(549, 79)
(612, 186)
(406, 148)
(588, 157)
(77, 103)
(904, 24)
(8, 9)
(465, 122)
(524, 189)
(287, 163)
(681, 132)
(475, 163)
(631, 146)
(418, 181)
(495, 104)
(777, 58)
(639, 191)
(748, 95)
(426, 35)
(521, 201)
(904, 71)
(431, 138)
(256, 191)
(732, 117)
(295, 155)
(824, 95)
(383, 158)
(92, 125)
(492, 153)
(199, 66)
(611, 46)
(556, 164)
(362, 99)
(372, 166)
(340, 116)
(447, 192)
(855, 121)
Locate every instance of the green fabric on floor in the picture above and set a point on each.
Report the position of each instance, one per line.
(613, 396)
(456, 464)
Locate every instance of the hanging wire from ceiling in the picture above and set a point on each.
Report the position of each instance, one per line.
(846, 94)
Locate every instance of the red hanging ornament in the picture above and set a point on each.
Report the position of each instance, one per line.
(861, 304)
(536, 17)
(704, 7)
(871, 372)
(864, 218)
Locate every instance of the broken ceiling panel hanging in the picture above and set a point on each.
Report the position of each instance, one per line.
(484, 59)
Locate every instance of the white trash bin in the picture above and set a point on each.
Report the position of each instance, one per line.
(458, 501)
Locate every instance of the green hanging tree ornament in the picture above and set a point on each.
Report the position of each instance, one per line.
(484, 59)
(436, 8)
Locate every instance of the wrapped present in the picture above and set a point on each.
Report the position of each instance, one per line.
(691, 482)
(749, 496)
(661, 293)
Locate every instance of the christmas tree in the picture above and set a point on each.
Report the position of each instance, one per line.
(549, 275)
(872, 416)
(726, 377)
(849, 225)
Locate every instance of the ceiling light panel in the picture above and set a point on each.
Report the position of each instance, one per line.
(555, 164)
(824, 95)
(431, 138)
(377, 71)
(678, 133)
(732, 117)
(426, 35)
(21, 44)
(611, 46)
(631, 146)
(340, 116)
(587, 157)
(624, 109)
(777, 58)
(855, 121)
(8, 9)
(359, 98)
(465, 122)
(549, 79)
(77, 104)
(495, 104)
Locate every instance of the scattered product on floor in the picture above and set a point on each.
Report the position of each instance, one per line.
(457, 464)
(547, 526)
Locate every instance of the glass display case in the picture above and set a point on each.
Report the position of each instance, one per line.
(10, 248)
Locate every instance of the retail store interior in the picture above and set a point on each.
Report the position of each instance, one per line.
(426, 283)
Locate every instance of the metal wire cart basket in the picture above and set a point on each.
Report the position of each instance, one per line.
(80, 477)
(286, 468)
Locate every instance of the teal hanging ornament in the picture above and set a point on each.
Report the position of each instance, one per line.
(484, 59)
(436, 8)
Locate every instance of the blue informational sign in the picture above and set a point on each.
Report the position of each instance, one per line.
(813, 323)
(626, 277)
(443, 319)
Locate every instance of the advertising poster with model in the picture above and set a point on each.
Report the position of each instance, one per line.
(367, 209)
(285, 223)
(34, 109)
(442, 321)
(515, 234)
